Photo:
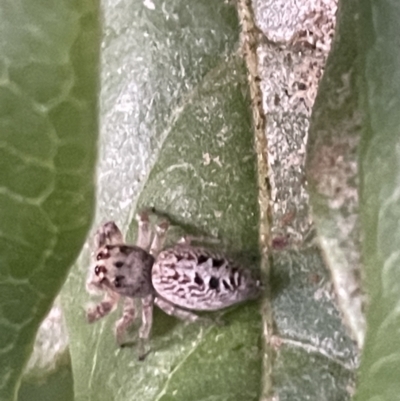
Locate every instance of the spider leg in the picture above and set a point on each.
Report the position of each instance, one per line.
(147, 322)
(144, 230)
(172, 310)
(144, 241)
(159, 238)
(106, 306)
(128, 317)
(108, 234)
(189, 239)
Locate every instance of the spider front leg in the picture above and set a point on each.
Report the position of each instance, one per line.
(108, 234)
(106, 306)
(127, 319)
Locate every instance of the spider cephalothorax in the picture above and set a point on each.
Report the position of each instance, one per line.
(179, 280)
(125, 269)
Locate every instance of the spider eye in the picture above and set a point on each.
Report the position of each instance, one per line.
(118, 281)
(103, 254)
(100, 269)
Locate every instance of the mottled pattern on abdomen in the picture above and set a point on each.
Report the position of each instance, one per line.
(199, 279)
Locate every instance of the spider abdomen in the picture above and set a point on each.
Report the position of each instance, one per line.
(199, 279)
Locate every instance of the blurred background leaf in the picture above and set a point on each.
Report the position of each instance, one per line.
(48, 131)
(379, 200)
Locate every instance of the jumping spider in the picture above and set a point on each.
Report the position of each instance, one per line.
(177, 280)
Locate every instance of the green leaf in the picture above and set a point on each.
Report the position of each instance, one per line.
(48, 130)
(152, 58)
(316, 358)
(380, 172)
(364, 81)
(56, 385)
(332, 170)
